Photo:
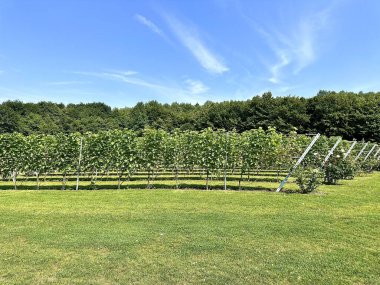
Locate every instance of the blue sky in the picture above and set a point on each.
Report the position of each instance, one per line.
(122, 52)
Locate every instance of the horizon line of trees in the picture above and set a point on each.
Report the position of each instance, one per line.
(347, 114)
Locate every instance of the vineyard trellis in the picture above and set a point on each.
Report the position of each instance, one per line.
(210, 154)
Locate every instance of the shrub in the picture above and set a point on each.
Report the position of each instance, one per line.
(308, 179)
(377, 165)
(369, 165)
(349, 169)
(338, 168)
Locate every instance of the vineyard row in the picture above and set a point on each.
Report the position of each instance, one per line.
(124, 153)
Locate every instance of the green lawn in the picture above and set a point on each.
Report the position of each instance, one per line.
(192, 237)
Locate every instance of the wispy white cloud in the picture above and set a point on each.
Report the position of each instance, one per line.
(196, 86)
(297, 46)
(275, 69)
(104, 74)
(123, 76)
(172, 91)
(153, 27)
(134, 81)
(190, 39)
(65, 83)
(309, 29)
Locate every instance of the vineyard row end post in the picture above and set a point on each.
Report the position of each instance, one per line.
(369, 153)
(298, 162)
(361, 151)
(377, 153)
(331, 151)
(350, 149)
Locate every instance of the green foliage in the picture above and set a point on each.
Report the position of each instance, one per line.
(349, 169)
(377, 165)
(40, 155)
(308, 179)
(67, 152)
(346, 114)
(13, 157)
(209, 153)
(8, 120)
(338, 168)
(369, 165)
(151, 151)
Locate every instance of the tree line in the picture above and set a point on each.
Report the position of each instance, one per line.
(347, 114)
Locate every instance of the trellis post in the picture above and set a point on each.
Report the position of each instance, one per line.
(377, 153)
(350, 149)
(369, 153)
(361, 151)
(79, 161)
(225, 163)
(331, 151)
(302, 157)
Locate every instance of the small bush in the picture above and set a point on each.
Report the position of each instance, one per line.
(349, 169)
(377, 165)
(338, 168)
(369, 165)
(308, 179)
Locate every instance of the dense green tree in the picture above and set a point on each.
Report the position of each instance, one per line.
(347, 114)
(8, 120)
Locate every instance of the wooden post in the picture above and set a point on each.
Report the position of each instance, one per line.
(225, 163)
(79, 161)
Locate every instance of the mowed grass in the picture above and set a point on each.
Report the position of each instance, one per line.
(264, 181)
(192, 237)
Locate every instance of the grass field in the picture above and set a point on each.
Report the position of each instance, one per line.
(264, 181)
(192, 237)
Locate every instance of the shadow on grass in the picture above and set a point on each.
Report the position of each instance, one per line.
(168, 178)
(99, 186)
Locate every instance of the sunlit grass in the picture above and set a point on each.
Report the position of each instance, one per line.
(266, 181)
(192, 237)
